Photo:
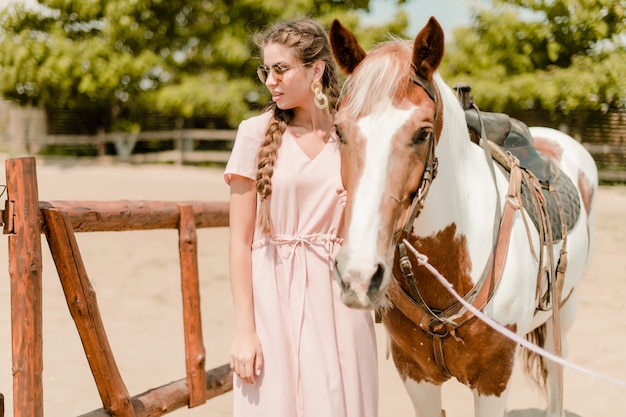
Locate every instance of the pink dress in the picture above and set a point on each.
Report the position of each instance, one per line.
(320, 356)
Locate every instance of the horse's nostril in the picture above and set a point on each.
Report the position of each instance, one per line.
(377, 279)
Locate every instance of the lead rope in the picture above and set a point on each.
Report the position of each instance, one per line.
(423, 261)
(405, 263)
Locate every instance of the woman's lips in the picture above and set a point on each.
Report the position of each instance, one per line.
(276, 95)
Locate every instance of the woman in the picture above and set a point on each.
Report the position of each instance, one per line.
(298, 350)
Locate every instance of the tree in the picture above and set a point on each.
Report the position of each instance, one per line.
(555, 56)
(123, 58)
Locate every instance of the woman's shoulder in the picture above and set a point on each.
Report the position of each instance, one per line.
(256, 123)
(252, 130)
(250, 135)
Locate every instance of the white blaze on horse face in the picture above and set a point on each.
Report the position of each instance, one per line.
(362, 255)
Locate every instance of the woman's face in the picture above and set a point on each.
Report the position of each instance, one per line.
(286, 77)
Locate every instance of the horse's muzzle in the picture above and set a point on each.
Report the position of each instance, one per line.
(361, 288)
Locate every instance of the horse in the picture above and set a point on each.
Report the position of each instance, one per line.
(420, 188)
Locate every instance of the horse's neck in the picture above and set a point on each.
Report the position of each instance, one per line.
(462, 196)
(462, 193)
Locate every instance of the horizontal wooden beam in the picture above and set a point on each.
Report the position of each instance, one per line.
(167, 398)
(112, 137)
(602, 148)
(185, 157)
(99, 216)
(612, 176)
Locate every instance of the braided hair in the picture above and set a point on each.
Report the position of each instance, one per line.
(310, 43)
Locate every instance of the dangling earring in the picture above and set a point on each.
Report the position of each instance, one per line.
(320, 99)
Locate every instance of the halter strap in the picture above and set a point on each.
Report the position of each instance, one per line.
(430, 170)
(425, 84)
(456, 313)
(429, 174)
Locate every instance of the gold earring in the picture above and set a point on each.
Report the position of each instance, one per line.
(320, 99)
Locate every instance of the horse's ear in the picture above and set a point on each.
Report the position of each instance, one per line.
(346, 49)
(428, 49)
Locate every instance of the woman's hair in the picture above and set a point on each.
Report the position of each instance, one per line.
(310, 44)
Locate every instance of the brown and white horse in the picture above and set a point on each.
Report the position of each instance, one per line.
(399, 124)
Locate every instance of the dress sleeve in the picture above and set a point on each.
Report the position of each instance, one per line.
(243, 157)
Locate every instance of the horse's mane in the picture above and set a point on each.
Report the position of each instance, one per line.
(383, 76)
(385, 71)
(454, 126)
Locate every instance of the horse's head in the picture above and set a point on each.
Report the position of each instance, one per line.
(388, 125)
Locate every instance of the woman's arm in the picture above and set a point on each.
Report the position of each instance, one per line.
(246, 355)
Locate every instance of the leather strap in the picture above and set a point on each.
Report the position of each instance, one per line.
(438, 341)
(418, 311)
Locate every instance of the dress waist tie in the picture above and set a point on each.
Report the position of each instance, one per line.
(292, 252)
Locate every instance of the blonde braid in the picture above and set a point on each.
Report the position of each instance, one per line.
(266, 162)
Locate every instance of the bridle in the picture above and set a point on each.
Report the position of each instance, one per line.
(440, 324)
(417, 203)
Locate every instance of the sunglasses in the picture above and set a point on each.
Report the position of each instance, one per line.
(277, 70)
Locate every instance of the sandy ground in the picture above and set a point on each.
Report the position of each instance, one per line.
(137, 280)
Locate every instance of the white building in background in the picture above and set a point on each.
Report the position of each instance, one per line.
(22, 129)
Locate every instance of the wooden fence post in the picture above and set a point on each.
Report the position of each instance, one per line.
(195, 356)
(25, 271)
(81, 301)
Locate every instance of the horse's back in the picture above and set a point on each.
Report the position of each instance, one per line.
(569, 154)
(578, 164)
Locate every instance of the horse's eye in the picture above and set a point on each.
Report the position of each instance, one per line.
(421, 136)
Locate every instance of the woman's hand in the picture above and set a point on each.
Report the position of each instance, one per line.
(246, 357)
(343, 196)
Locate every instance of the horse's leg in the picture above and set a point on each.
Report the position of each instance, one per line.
(490, 405)
(426, 398)
(555, 382)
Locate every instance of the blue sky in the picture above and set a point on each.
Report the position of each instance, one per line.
(449, 13)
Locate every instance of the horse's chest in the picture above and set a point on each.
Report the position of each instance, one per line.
(476, 355)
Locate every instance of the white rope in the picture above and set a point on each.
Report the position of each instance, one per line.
(423, 260)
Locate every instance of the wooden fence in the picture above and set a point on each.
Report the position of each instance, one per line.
(611, 158)
(185, 149)
(25, 219)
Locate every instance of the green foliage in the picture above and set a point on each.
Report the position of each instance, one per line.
(123, 58)
(557, 56)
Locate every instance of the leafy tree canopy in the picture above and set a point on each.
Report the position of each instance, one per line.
(558, 56)
(179, 57)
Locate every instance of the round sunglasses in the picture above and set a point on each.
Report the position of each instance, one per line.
(277, 70)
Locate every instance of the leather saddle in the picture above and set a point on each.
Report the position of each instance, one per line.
(513, 136)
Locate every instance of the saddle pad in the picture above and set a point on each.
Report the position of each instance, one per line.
(569, 200)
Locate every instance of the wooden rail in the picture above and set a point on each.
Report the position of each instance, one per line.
(184, 140)
(100, 216)
(611, 158)
(196, 134)
(25, 219)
